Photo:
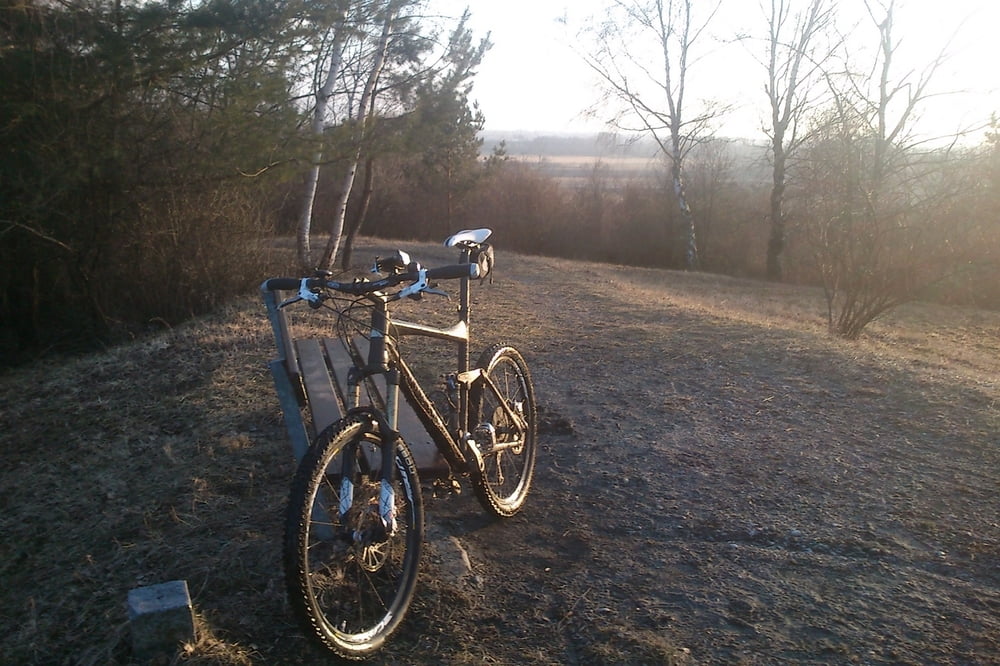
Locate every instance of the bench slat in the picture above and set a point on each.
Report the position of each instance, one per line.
(322, 367)
(324, 403)
(340, 363)
(430, 462)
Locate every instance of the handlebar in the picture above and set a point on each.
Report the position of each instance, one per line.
(281, 284)
(453, 272)
(417, 278)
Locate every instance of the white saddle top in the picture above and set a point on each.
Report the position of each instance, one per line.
(468, 236)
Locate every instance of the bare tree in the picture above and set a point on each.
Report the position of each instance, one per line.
(878, 190)
(644, 56)
(792, 68)
(332, 57)
(359, 124)
(359, 41)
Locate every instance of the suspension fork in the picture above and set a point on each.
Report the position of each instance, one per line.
(385, 421)
(388, 442)
(390, 438)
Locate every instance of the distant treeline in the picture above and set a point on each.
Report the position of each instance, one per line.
(151, 152)
(602, 217)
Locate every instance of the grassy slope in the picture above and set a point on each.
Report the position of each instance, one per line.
(166, 458)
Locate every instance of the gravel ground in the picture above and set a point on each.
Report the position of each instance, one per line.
(719, 481)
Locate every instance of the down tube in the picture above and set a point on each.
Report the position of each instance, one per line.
(429, 417)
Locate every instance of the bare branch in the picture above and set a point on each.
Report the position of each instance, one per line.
(12, 225)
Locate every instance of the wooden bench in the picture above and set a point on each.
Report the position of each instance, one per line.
(310, 377)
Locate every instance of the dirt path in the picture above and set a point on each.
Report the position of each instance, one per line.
(718, 482)
(741, 489)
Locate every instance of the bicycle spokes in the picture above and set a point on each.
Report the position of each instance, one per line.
(504, 407)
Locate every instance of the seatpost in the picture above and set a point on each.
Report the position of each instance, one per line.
(463, 346)
(463, 313)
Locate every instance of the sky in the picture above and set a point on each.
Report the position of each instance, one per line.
(534, 78)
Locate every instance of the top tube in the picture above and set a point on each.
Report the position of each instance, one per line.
(457, 333)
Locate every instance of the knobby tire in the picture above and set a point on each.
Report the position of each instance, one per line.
(508, 471)
(351, 594)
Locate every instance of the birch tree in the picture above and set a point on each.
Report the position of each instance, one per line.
(334, 53)
(793, 70)
(359, 41)
(644, 55)
(358, 125)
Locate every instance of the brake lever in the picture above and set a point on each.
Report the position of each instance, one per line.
(414, 289)
(306, 293)
(419, 287)
(437, 292)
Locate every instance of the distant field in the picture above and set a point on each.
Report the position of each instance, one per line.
(574, 170)
(571, 159)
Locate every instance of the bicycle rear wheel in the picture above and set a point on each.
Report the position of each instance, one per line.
(350, 578)
(507, 443)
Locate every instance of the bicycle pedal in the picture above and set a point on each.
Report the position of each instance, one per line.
(446, 487)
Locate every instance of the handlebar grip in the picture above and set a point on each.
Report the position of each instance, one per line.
(284, 284)
(453, 272)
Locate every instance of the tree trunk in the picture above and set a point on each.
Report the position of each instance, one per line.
(688, 236)
(788, 105)
(337, 225)
(359, 218)
(776, 242)
(302, 246)
(448, 199)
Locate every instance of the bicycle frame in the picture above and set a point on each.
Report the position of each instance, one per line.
(455, 445)
(385, 360)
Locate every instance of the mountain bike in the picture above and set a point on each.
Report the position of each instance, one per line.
(355, 519)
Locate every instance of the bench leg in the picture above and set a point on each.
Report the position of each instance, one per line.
(290, 409)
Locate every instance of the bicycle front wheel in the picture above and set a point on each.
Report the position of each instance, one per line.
(350, 574)
(503, 417)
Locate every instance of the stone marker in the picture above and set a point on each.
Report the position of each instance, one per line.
(161, 618)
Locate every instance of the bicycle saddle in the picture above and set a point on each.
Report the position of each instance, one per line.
(469, 237)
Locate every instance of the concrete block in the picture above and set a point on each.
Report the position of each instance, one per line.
(160, 617)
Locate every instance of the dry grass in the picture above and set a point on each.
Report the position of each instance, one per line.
(167, 459)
